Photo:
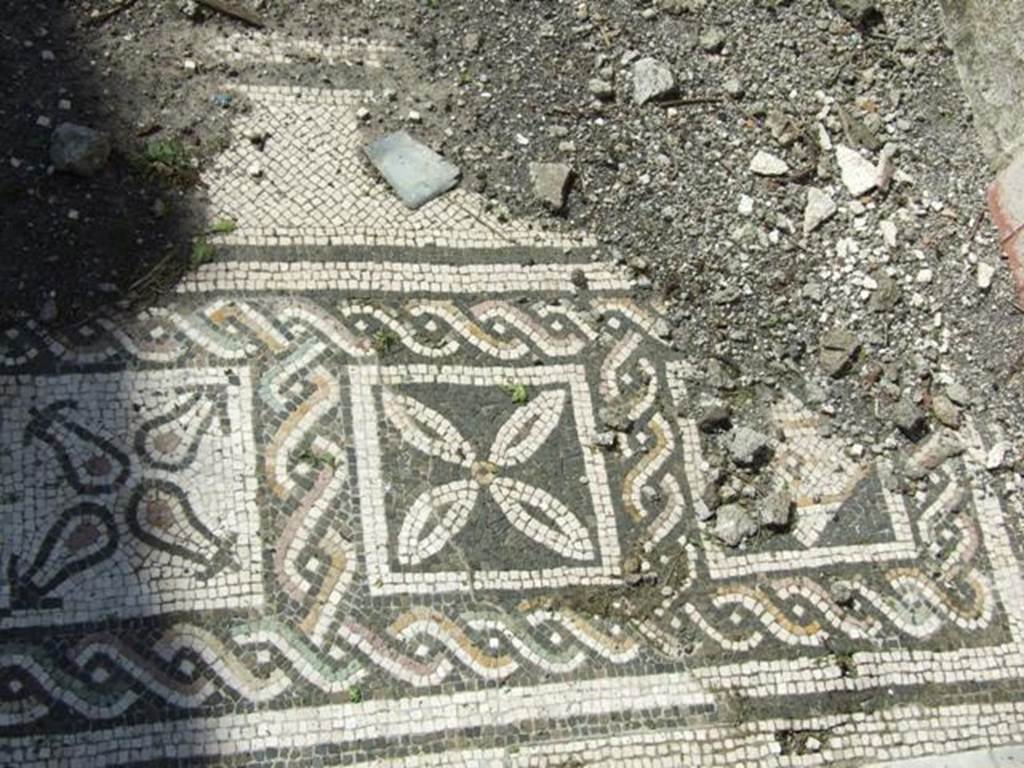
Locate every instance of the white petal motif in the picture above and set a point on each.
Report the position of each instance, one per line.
(434, 519)
(527, 429)
(527, 507)
(427, 429)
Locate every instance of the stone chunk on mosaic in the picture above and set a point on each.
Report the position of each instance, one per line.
(415, 172)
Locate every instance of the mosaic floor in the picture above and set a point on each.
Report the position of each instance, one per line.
(428, 489)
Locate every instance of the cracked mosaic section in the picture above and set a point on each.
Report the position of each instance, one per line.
(441, 507)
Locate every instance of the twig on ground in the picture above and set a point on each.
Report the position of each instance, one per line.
(110, 13)
(230, 9)
(151, 272)
(1012, 234)
(690, 101)
(977, 222)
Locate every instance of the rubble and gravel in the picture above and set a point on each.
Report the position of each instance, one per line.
(751, 267)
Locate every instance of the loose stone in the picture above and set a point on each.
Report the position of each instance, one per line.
(933, 452)
(908, 418)
(551, 182)
(819, 209)
(749, 448)
(78, 149)
(775, 511)
(734, 524)
(858, 174)
(838, 349)
(652, 80)
(945, 411)
(415, 172)
(767, 164)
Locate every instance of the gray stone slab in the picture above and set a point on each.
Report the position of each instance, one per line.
(414, 171)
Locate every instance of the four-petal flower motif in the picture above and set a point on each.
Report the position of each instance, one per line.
(439, 514)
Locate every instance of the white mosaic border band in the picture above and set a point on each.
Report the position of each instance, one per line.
(349, 723)
(290, 94)
(905, 732)
(400, 278)
(899, 732)
(273, 48)
(294, 175)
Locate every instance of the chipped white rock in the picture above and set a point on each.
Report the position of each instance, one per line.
(734, 525)
(819, 209)
(924, 276)
(859, 175)
(824, 140)
(746, 206)
(767, 164)
(652, 79)
(997, 455)
(886, 168)
(889, 232)
(986, 272)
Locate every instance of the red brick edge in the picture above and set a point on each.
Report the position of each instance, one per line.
(1006, 203)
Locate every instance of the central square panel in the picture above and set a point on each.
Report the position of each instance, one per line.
(480, 478)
